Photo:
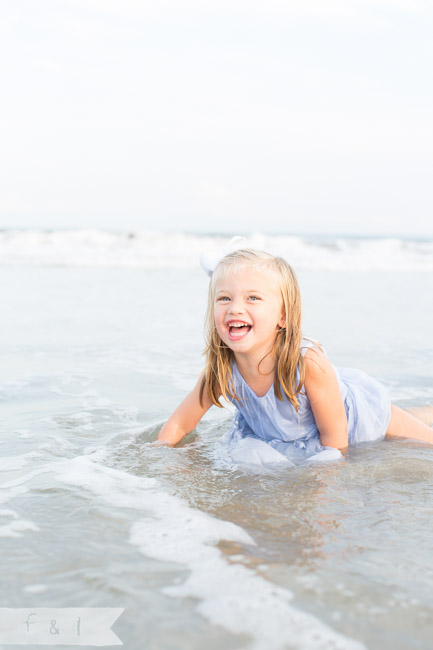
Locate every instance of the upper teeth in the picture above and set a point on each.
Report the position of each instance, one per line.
(237, 324)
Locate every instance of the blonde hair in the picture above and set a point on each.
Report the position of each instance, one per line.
(286, 350)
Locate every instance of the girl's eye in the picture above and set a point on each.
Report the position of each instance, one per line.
(223, 299)
(253, 298)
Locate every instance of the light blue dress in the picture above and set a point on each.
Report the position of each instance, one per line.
(266, 430)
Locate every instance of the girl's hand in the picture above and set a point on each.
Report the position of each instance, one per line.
(186, 417)
(323, 391)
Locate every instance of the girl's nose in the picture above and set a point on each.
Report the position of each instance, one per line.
(236, 307)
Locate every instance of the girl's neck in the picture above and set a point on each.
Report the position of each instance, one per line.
(255, 367)
(259, 378)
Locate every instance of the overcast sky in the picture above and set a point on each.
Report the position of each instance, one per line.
(223, 115)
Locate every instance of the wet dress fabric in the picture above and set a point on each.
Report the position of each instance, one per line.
(266, 430)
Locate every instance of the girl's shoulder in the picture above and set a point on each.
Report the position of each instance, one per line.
(316, 363)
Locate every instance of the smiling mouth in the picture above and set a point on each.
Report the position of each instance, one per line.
(238, 330)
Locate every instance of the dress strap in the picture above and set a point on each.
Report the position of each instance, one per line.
(308, 343)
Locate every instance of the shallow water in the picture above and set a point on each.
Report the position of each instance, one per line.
(93, 514)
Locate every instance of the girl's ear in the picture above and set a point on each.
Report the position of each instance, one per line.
(282, 321)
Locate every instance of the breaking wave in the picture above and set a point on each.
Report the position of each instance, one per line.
(150, 250)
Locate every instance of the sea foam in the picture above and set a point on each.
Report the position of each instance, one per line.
(229, 594)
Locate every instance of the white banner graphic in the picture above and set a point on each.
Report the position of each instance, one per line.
(59, 626)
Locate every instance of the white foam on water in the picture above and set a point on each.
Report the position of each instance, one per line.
(16, 487)
(6, 512)
(24, 433)
(35, 589)
(230, 595)
(98, 248)
(10, 463)
(8, 495)
(16, 526)
(13, 488)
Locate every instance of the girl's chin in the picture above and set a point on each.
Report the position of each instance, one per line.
(241, 347)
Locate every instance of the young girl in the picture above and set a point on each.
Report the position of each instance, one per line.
(291, 403)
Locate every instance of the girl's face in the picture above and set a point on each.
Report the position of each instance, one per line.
(248, 310)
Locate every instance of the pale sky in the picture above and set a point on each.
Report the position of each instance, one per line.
(224, 116)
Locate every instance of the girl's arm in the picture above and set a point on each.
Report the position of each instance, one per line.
(323, 392)
(186, 417)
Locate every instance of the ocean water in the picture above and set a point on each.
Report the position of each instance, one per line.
(101, 337)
